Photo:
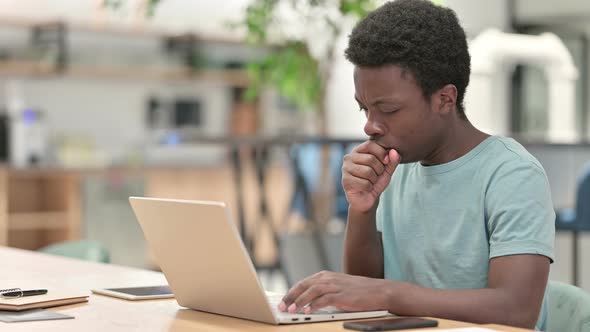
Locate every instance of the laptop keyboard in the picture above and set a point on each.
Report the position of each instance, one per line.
(274, 299)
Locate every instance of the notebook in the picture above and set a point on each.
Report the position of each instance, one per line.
(54, 297)
(31, 315)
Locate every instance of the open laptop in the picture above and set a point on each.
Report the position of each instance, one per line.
(198, 248)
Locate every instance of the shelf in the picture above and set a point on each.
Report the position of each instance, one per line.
(24, 22)
(37, 220)
(233, 77)
(139, 30)
(55, 33)
(25, 68)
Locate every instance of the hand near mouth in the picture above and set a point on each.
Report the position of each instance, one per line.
(366, 172)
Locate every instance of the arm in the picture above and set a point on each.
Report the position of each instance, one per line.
(366, 172)
(363, 249)
(514, 295)
(516, 285)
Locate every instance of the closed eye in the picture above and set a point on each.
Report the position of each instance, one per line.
(391, 111)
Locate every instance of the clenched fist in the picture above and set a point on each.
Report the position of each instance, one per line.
(366, 172)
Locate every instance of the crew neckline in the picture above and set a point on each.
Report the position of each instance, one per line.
(453, 164)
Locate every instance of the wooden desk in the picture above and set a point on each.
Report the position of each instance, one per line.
(103, 313)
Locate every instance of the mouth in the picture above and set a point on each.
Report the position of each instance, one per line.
(385, 146)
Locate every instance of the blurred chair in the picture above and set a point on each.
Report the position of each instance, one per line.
(568, 308)
(83, 249)
(576, 220)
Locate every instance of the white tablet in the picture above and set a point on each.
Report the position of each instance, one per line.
(137, 293)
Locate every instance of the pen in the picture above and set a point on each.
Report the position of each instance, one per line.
(22, 293)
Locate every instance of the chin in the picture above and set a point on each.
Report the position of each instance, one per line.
(406, 159)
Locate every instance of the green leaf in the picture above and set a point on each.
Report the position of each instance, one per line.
(112, 4)
(358, 8)
(117, 4)
(257, 19)
(292, 71)
(152, 4)
(290, 68)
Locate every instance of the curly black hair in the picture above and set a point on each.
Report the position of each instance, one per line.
(418, 36)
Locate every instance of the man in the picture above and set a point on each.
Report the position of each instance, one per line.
(444, 220)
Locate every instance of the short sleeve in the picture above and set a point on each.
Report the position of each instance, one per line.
(519, 211)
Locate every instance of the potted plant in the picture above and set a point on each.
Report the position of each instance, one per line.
(300, 62)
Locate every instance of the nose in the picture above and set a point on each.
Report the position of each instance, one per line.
(373, 128)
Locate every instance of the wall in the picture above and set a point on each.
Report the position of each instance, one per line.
(476, 16)
(546, 10)
(343, 116)
(111, 113)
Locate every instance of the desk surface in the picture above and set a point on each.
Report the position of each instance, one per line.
(103, 313)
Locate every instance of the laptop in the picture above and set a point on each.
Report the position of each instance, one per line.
(198, 247)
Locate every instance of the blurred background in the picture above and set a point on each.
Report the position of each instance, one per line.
(251, 102)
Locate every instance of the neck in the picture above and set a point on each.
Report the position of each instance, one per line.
(460, 138)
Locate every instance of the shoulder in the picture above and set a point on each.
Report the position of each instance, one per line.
(514, 177)
(507, 157)
(512, 151)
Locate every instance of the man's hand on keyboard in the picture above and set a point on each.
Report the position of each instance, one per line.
(344, 291)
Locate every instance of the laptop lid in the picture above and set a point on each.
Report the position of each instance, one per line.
(198, 248)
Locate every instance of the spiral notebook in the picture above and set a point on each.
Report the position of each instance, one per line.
(53, 298)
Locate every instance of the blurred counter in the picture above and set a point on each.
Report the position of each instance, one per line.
(41, 206)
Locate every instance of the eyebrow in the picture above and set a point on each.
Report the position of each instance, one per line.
(379, 101)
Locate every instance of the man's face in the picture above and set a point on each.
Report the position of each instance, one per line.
(398, 115)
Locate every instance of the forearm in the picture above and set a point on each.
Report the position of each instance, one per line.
(363, 252)
(480, 306)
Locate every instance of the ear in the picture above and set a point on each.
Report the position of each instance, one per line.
(446, 99)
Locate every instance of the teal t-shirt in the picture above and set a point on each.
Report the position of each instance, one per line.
(442, 224)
